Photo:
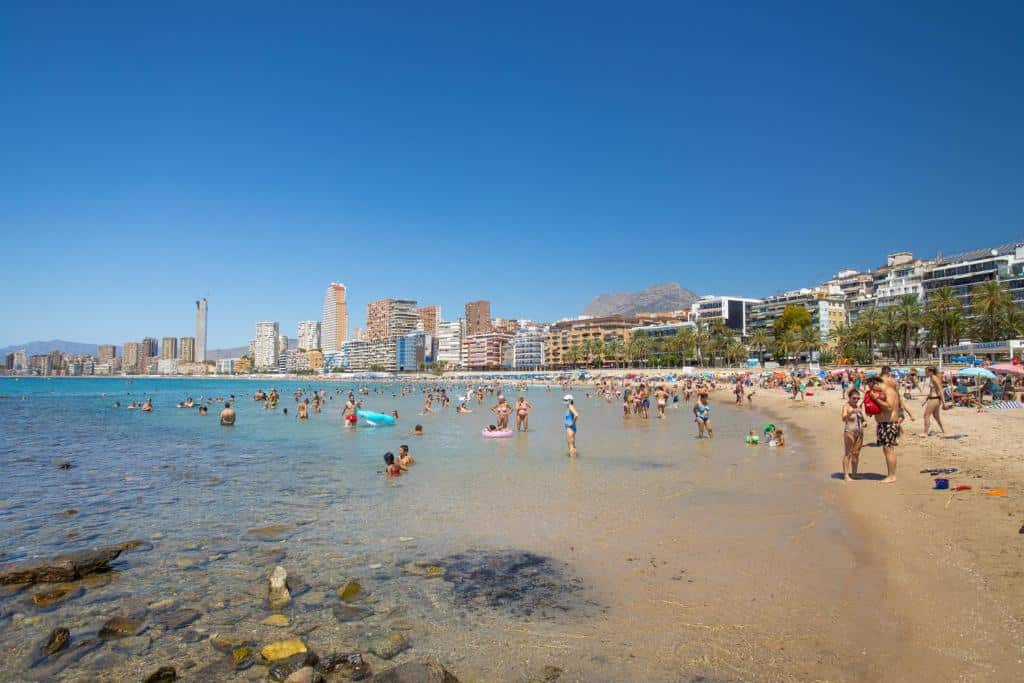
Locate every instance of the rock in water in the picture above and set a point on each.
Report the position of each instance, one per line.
(120, 627)
(275, 620)
(280, 671)
(350, 666)
(390, 645)
(282, 649)
(278, 595)
(47, 598)
(69, 567)
(242, 658)
(165, 674)
(58, 640)
(175, 619)
(306, 674)
(426, 671)
(350, 591)
(348, 613)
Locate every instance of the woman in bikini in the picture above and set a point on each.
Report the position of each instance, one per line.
(934, 403)
(853, 434)
(523, 408)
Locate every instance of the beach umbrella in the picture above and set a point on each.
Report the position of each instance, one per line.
(1007, 368)
(976, 372)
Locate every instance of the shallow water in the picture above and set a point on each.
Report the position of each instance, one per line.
(653, 556)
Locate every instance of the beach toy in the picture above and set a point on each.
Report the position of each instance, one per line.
(962, 487)
(753, 440)
(499, 434)
(942, 484)
(375, 419)
(769, 427)
(996, 492)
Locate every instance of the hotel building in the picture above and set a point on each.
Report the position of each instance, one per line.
(901, 275)
(412, 349)
(390, 318)
(528, 348)
(132, 357)
(335, 318)
(266, 346)
(106, 353)
(449, 344)
(478, 317)
(486, 351)
(187, 349)
(565, 334)
(430, 318)
(962, 272)
(734, 310)
(827, 306)
(168, 348)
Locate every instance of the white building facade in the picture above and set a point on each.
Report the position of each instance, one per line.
(265, 346)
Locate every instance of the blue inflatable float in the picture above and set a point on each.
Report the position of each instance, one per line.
(375, 419)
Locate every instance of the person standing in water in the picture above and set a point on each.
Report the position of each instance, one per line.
(702, 416)
(502, 409)
(227, 416)
(572, 417)
(523, 408)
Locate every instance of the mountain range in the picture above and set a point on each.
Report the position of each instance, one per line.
(664, 297)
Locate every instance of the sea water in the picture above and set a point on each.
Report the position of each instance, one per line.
(497, 556)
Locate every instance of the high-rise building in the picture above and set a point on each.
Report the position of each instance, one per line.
(151, 347)
(486, 351)
(187, 349)
(528, 348)
(106, 353)
(478, 317)
(430, 318)
(9, 361)
(309, 334)
(449, 344)
(390, 318)
(335, 318)
(734, 310)
(282, 344)
(266, 347)
(201, 331)
(413, 349)
(169, 348)
(133, 357)
(20, 360)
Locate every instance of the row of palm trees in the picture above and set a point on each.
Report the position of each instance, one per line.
(906, 330)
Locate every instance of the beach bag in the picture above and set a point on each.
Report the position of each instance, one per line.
(870, 407)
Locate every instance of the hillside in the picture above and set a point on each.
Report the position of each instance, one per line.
(665, 297)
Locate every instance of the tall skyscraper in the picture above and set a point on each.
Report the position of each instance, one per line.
(132, 357)
(151, 347)
(168, 348)
(390, 318)
(282, 344)
(335, 318)
(478, 317)
(266, 346)
(187, 349)
(106, 353)
(430, 317)
(201, 331)
(309, 334)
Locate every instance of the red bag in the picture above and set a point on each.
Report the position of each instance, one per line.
(870, 407)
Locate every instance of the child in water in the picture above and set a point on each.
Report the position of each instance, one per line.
(405, 458)
(391, 470)
(778, 439)
(752, 438)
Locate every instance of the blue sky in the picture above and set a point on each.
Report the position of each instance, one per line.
(534, 155)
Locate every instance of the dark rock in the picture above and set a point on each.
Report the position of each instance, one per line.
(227, 644)
(243, 657)
(175, 619)
(271, 532)
(165, 674)
(426, 671)
(68, 567)
(120, 627)
(192, 636)
(50, 597)
(348, 665)
(281, 670)
(389, 645)
(58, 640)
(136, 544)
(70, 511)
(350, 591)
(349, 613)
(63, 464)
(306, 674)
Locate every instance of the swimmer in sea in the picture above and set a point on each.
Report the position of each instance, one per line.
(392, 470)
(405, 459)
(417, 430)
(147, 406)
(463, 408)
(202, 410)
(227, 416)
(303, 413)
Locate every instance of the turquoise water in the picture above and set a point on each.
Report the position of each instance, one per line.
(525, 535)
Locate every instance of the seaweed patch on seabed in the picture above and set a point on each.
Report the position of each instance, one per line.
(521, 583)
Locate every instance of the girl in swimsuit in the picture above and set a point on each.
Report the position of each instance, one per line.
(853, 434)
(702, 416)
(934, 404)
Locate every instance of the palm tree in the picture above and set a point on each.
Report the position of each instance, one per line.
(907, 314)
(701, 340)
(598, 350)
(944, 316)
(639, 345)
(759, 342)
(614, 349)
(785, 344)
(990, 307)
(870, 326)
(809, 340)
(573, 355)
(682, 343)
(734, 350)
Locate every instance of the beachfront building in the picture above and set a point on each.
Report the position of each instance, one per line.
(734, 310)
(9, 361)
(826, 304)
(309, 334)
(106, 353)
(243, 365)
(201, 307)
(225, 366)
(528, 348)
(902, 274)
(151, 347)
(131, 357)
(505, 325)
(315, 360)
(478, 317)
(354, 356)
(382, 355)
(387, 319)
(412, 350)
(448, 344)
(852, 283)
(335, 318)
(566, 335)
(430, 318)
(187, 349)
(282, 344)
(168, 348)
(486, 351)
(265, 352)
(293, 360)
(167, 366)
(962, 272)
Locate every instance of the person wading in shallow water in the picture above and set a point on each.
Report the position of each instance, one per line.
(227, 416)
(572, 417)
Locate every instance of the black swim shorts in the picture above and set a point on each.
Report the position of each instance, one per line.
(887, 434)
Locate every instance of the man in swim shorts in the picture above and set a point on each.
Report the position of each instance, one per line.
(885, 392)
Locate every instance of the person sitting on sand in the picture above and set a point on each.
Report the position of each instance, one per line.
(391, 469)
(853, 434)
(227, 416)
(405, 458)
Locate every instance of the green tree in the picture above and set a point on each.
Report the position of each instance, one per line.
(792, 318)
(682, 343)
(991, 306)
(759, 342)
(908, 319)
(786, 344)
(943, 317)
(734, 350)
(701, 340)
(808, 339)
(869, 328)
(614, 349)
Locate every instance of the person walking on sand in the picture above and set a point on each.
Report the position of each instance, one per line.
(853, 434)
(935, 401)
(702, 416)
(572, 417)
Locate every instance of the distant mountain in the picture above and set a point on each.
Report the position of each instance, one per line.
(40, 347)
(666, 297)
(239, 351)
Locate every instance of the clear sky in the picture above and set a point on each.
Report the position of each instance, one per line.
(534, 155)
